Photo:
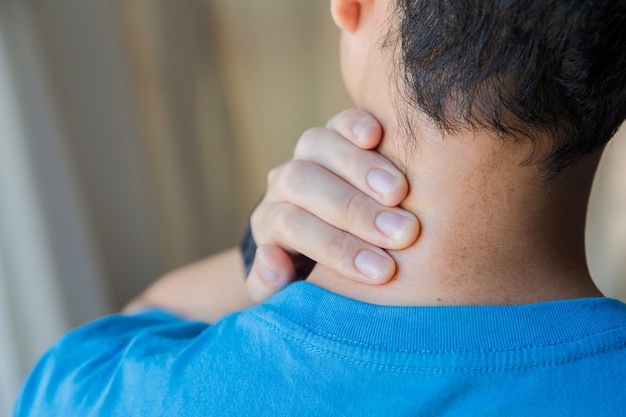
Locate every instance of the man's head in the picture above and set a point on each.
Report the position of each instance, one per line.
(552, 72)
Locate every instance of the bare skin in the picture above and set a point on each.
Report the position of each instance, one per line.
(206, 290)
(493, 231)
(340, 223)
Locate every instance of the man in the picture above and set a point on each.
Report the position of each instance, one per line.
(497, 111)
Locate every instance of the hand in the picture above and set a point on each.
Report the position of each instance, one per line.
(333, 203)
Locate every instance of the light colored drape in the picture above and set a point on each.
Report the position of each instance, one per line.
(50, 279)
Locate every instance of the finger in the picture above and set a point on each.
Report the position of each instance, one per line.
(271, 271)
(357, 126)
(350, 256)
(318, 191)
(368, 171)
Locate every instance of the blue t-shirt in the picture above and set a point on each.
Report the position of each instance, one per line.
(309, 352)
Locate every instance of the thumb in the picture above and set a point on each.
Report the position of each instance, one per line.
(271, 271)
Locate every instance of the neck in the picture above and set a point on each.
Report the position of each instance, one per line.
(493, 231)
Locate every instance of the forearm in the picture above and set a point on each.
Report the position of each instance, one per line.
(205, 290)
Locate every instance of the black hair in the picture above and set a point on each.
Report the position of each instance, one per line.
(519, 68)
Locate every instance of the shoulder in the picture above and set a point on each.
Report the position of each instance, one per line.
(94, 364)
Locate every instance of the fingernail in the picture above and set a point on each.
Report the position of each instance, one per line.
(381, 181)
(392, 224)
(372, 265)
(268, 274)
(361, 129)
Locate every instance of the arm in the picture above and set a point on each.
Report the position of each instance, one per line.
(205, 290)
(335, 232)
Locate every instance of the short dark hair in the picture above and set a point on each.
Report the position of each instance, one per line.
(519, 68)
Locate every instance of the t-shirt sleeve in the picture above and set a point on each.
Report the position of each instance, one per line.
(117, 363)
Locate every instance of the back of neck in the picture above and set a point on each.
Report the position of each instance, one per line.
(493, 231)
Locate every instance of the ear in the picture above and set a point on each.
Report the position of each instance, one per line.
(347, 13)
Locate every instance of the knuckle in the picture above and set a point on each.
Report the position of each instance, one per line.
(284, 221)
(273, 183)
(293, 178)
(307, 141)
(358, 163)
(331, 122)
(273, 174)
(256, 221)
(337, 249)
(274, 180)
(355, 206)
(260, 220)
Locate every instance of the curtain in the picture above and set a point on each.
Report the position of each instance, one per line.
(49, 278)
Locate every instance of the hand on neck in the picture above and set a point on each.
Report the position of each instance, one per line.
(493, 230)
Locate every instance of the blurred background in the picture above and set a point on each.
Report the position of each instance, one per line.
(135, 137)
